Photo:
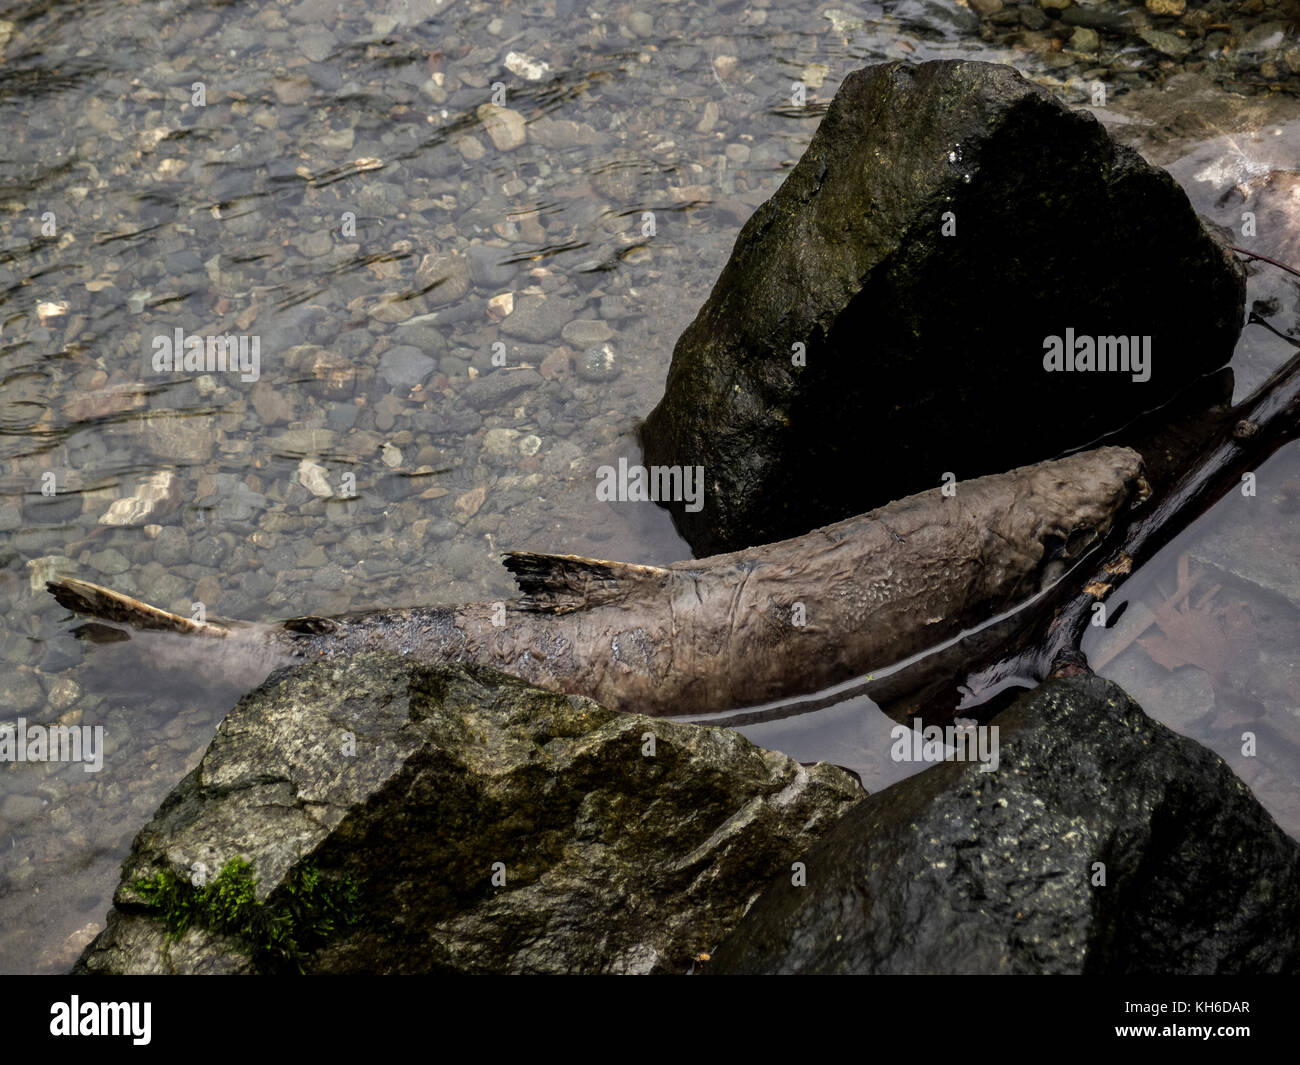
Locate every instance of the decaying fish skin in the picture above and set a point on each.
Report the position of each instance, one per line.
(742, 628)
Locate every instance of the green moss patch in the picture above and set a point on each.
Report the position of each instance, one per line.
(279, 933)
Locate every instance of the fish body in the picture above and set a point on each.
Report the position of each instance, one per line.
(741, 628)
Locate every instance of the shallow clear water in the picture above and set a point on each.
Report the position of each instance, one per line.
(338, 195)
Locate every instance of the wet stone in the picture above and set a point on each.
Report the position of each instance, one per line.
(527, 67)
(343, 415)
(539, 318)
(51, 510)
(316, 44)
(292, 90)
(272, 404)
(61, 653)
(18, 808)
(504, 125)
(1264, 38)
(445, 276)
(64, 694)
(586, 332)
(465, 311)
(166, 588)
(314, 244)
(599, 364)
(154, 497)
(1165, 43)
(1209, 879)
(486, 266)
(490, 391)
(641, 23)
(172, 547)
(455, 421)
(110, 562)
(405, 367)
(1032, 17)
(353, 343)
(1084, 40)
(561, 133)
(722, 385)
(500, 441)
(612, 308)
(210, 551)
(326, 373)
(237, 502)
(949, 15)
(1096, 19)
(20, 691)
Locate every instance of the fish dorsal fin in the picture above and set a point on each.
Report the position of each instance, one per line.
(560, 584)
(96, 601)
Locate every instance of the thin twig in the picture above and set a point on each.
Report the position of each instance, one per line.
(1265, 259)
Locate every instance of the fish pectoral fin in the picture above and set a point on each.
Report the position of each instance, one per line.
(559, 584)
(82, 597)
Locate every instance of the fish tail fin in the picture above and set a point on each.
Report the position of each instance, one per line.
(93, 600)
(560, 584)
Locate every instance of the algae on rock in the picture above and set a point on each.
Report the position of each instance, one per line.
(486, 825)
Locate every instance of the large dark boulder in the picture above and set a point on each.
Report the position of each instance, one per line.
(960, 871)
(401, 818)
(925, 351)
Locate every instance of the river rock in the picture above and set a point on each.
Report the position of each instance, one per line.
(415, 782)
(505, 126)
(539, 318)
(187, 437)
(585, 332)
(444, 278)
(326, 373)
(56, 509)
(958, 870)
(315, 478)
(490, 392)
(405, 366)
(156, 495)
(1164, 42)
(488, 265)
(923, 352)
(526, 66)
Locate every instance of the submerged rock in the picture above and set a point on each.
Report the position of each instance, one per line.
(477, 825)
(958, 870)
(884, 317)
(156, 495)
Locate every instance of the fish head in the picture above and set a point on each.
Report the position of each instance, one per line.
(1060, 510)
(1073, 504)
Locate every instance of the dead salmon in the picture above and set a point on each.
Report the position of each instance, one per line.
(731, 630)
